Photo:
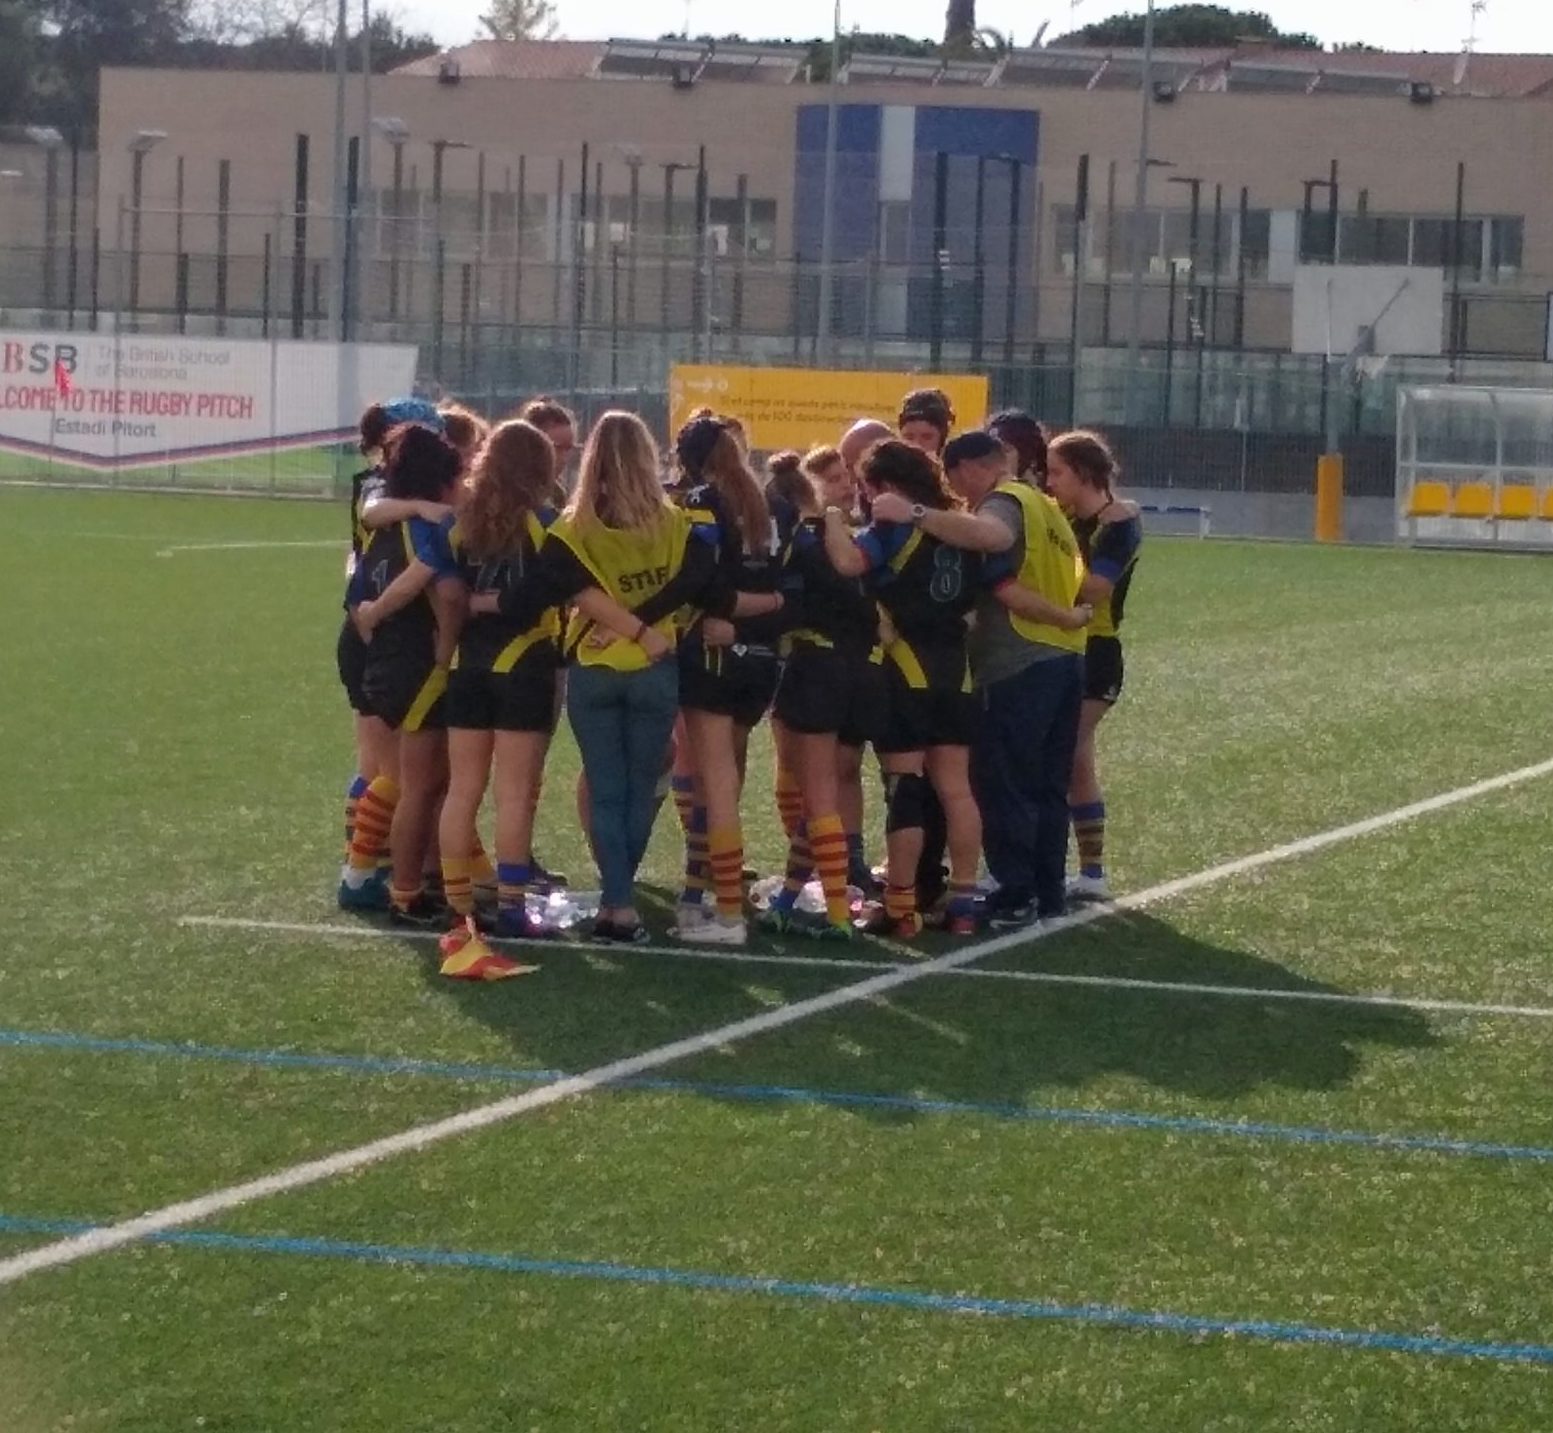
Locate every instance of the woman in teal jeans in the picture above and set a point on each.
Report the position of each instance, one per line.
(623, 537)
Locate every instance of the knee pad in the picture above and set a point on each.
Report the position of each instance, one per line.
(906, 795)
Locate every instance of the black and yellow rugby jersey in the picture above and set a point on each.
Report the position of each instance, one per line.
(1111, 551)
(739, 571)
(390, 552)
(526, 617)
(365, 486)
(833, 611)
(926, 586)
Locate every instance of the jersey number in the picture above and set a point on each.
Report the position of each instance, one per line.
(948, 576)
(493, 576)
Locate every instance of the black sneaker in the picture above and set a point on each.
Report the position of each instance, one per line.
(425, 912)
(621, 932)
(543, 879)
(869, 881)
(1006, 910)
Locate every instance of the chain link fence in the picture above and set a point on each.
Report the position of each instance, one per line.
(534, 297)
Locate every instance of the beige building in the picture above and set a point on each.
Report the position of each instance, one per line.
(490, 145)
(595, 208)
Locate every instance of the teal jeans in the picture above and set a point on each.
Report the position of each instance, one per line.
(623, 722)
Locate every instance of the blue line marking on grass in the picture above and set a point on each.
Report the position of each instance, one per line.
(1102, 1315)
(788, 1094)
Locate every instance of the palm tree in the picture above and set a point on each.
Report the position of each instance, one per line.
(960, 26)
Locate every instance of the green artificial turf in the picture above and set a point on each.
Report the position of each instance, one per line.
(177, 746)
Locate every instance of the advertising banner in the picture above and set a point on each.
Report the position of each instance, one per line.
(112, 402)
(799, 407)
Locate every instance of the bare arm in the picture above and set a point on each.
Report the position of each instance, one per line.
(958, 529)
(448, 603)
(398, 595)
(482, 604)
(1024, 603)
(1095, 589)
(385, 512)
(839, 547)
(601, 609)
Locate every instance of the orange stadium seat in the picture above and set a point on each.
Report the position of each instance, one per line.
(1517, 503)
(1473, 500)
(1429, 500)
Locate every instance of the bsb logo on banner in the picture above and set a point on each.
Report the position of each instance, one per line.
(136, 400)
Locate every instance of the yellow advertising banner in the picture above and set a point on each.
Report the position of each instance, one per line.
(799, 407)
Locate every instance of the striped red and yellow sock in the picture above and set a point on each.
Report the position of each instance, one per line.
(684, 789)
(374, 820)
(726, 848)
(828, 842)
(800, 870)
(481, 871)
(458, 884)
(789, 801)
(900, 905)
(403, 897)
(353, 795)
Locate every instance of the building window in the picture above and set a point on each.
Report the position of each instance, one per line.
(1505, 238)
(1488, 249)
(1165, 235)
(747, 227)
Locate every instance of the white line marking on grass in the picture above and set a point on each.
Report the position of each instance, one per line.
(539, 946)
(1255, 992)
(316, 1171)
(1033, 977)
(248, 546)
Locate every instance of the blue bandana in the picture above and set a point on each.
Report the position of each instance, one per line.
(414, 410)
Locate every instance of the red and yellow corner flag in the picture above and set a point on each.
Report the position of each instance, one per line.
(63, 384)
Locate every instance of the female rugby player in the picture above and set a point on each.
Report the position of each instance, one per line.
(829, 698)
(408, 653)
(927, 588)
(1081, 476)
(501, 690)
(728, 663)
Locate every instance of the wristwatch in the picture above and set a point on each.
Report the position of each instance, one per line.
(918, 512)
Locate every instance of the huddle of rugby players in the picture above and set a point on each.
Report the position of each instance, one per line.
(952, 601)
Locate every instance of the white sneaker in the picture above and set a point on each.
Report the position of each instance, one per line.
(1088, 888)
(689, 916)
(715, 930)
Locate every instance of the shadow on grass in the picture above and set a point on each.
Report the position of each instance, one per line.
(949, 1037)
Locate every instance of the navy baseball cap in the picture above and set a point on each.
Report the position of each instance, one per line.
(968, 447)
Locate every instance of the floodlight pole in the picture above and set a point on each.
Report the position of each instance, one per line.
(1140, 203)
(338, 303)
(822, 333)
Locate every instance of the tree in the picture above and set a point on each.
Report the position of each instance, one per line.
(20, 26)
(522, 20)
(1181, 26)
(960, 26)
(291, 35)
(85, 35)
